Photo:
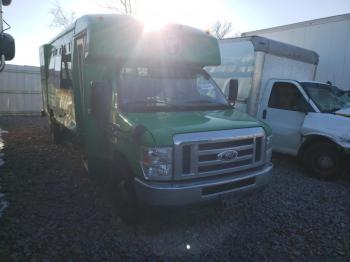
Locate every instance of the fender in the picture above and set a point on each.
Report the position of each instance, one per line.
(335, 128)
(321, 135)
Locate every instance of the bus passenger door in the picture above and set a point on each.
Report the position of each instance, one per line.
(79, 94)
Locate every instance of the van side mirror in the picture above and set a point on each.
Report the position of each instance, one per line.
(232, 91)
(100, 100)
(6, 2)
(7, 46)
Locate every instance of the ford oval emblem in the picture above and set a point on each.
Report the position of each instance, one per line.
(228, 156)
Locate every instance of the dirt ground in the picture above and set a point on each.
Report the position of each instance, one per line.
(57, 212)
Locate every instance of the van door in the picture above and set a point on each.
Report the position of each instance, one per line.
(283, 107)
(78, 79)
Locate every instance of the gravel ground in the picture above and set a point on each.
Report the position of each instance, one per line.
(56, 212)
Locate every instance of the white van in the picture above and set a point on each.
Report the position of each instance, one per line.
(275, 82)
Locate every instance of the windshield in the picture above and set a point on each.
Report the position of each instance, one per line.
(327, 98)
(155, 89)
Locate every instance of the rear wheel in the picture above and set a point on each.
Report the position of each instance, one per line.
(323, 160)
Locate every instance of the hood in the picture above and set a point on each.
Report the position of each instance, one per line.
(334, 126)
(164, 125)
(343, 112)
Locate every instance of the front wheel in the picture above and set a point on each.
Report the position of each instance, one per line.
(121, 183)
(56, 133)
(323, 160)
(127, 205)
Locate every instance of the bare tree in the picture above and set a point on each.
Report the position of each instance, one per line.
(60, 18)
(127, 7)
(220, 30)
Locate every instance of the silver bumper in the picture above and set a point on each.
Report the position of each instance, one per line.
(185, 193)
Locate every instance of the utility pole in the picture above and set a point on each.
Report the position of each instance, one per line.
(1, 26)
(2, 58)
(7, 43)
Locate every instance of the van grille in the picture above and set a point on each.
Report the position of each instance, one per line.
(200, 154)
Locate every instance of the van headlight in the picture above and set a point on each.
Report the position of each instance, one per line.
(157, 163)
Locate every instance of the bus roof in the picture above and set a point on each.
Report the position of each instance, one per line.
(111, 36)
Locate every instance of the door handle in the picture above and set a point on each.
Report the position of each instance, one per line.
(264, 114)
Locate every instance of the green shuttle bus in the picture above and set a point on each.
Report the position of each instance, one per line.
(146, 112)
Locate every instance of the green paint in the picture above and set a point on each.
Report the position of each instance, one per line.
(164, 125)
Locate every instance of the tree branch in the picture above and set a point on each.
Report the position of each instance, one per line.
(119, 6)
(60, 18)
(220, 30)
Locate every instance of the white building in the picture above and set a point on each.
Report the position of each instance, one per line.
(20, 90)
(329, 37)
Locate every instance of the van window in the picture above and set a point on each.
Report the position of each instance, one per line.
(165, 89)
(328, 99)
(66, 70)
(287, 96)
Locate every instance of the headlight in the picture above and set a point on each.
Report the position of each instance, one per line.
(157, 163)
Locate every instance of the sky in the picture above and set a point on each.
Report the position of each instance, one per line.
(30, 20)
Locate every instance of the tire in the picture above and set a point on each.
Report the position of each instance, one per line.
(126, 204)
(56, 133)
(323, 160)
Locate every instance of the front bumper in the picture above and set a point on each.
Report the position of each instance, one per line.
(201, 190)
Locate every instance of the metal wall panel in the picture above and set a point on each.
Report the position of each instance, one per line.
(20, 90)
(329, 37)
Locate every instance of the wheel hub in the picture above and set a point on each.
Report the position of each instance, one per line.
(325, 162)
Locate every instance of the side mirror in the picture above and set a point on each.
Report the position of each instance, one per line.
(7, 46)
(6, 2)
(100, 102)
(232, 91)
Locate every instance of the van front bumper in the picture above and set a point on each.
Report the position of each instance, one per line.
(201, 190)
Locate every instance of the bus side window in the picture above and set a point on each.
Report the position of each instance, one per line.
(51, 76)
(66, 69)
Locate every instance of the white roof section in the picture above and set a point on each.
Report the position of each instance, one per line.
(277, 48)
(319, 21)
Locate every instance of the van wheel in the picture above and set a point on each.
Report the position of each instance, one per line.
(127, 207)
(56, 133)
(323, 160)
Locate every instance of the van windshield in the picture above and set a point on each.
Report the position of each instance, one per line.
(155, 89)
(327, 98)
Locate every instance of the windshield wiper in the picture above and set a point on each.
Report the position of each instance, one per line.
(331, 110)
(335, 109)
(152, 102)
(197, 102)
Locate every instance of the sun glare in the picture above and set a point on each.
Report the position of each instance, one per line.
(153, 24)
(197, 13)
